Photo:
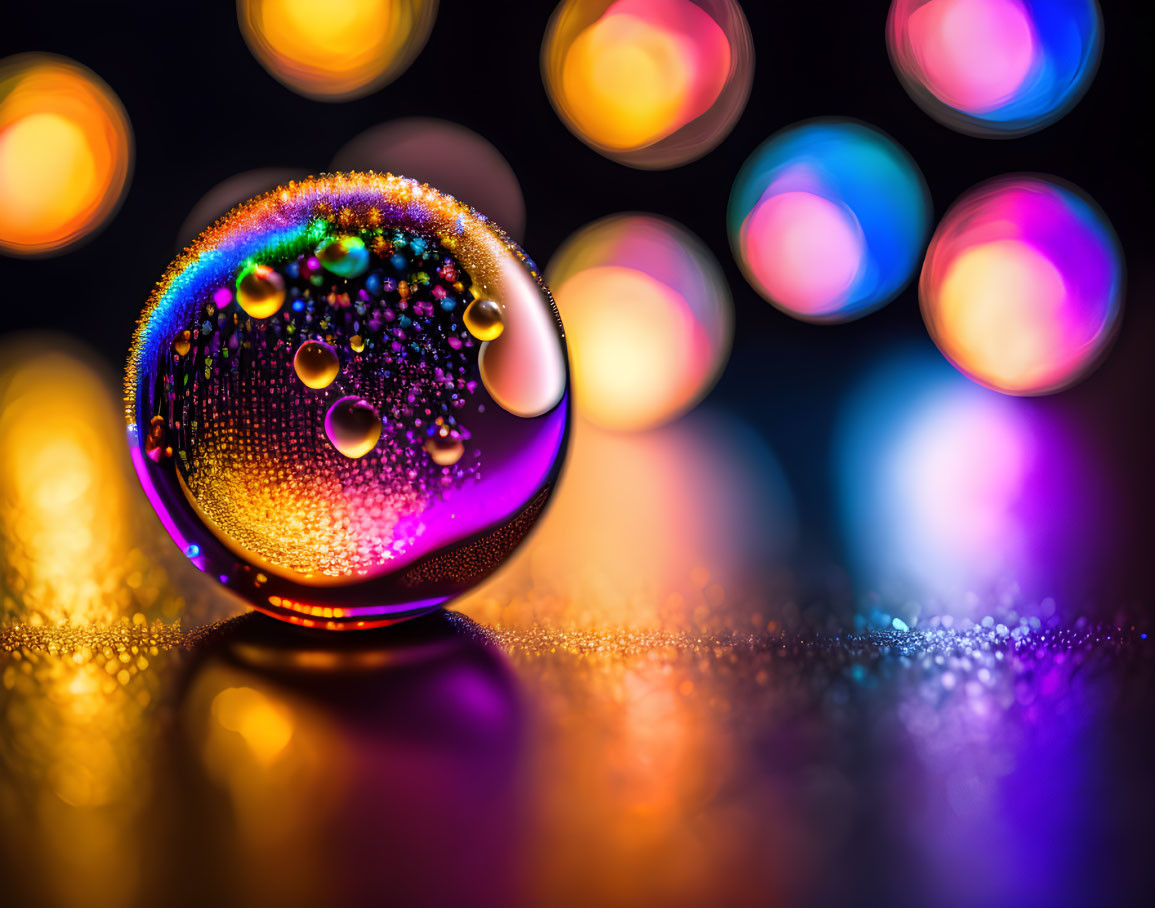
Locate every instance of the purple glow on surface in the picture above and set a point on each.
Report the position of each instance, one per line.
(954, 496)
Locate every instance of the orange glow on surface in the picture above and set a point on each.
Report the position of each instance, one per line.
(65, 153)
(78, 542)
(685, 527)
(338, 49)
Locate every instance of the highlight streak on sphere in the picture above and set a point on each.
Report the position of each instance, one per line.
(65, 153)
(356, 455)
(336, 50)
(995, 67)
(648, 83)
(827, 219)
(648, 316)
(1022, 287)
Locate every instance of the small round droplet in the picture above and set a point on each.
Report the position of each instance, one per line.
(316, 364)
(353, 426)
(357, 343)
(182, 343)
(483, 319)
(444, 450)
(260, 291)
(345, 256)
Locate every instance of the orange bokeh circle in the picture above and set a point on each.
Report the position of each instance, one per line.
(65, 153)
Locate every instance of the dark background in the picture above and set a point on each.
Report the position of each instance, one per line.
(203, 109)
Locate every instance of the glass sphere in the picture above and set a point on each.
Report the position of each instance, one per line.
(65, 153)
(336, 50)
(995, 67)
(648, 317)
(648, 83)
(1022, 287)
(313, 418)
(828, 218)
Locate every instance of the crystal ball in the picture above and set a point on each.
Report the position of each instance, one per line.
(995, 67)
(348, 399)
(1022, 286)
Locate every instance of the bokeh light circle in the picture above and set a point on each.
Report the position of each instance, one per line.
(443, 154)
(827, 219)
(648, 83)
(65, 153)
(313, 419)
(335, 50)
(648, 317)
(995, 67)
(1022, 286)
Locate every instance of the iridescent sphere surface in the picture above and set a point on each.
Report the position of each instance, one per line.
(316, 421)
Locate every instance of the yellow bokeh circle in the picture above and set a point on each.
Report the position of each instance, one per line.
(335, 50)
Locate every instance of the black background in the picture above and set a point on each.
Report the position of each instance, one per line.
(203, 109)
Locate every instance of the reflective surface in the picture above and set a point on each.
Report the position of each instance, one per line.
(639, 715)
(687, 770)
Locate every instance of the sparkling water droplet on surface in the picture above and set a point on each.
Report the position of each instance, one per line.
(445, 450)
(316, 364)
(483, 319)
(353, 426)
(260, 291)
